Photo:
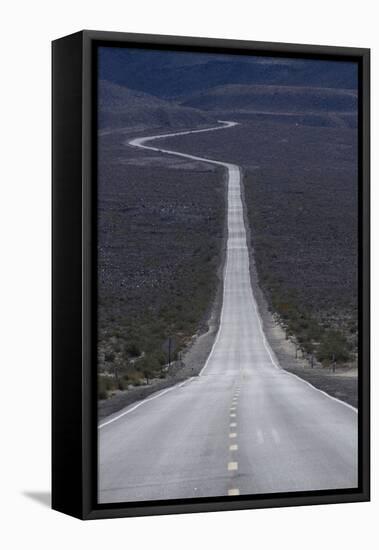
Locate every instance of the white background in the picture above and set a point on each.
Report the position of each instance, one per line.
(27, 29)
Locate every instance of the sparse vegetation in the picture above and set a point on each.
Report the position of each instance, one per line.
(160, 239)
(333, 348)
(300, 186)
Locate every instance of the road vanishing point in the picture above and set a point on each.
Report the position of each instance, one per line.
(244, 425)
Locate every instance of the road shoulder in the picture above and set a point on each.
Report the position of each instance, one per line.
(341, 385)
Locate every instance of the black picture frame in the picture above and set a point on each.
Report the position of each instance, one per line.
(74, 403)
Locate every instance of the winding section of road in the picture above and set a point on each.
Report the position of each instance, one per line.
(244, 426)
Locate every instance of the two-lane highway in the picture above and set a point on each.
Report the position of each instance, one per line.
(244, 426)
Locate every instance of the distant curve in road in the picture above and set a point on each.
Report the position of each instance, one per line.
(245, 426)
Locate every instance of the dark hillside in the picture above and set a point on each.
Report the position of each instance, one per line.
(120, 107)
(168, 73)
(274, 99)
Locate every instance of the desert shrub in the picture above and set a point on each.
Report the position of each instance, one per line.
(333, 347)
(161, 358)
(122, 384)
(132, 349)
(147, 367)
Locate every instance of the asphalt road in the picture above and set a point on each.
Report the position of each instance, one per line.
(244, 426)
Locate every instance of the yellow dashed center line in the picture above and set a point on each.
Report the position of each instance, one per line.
(233, 465)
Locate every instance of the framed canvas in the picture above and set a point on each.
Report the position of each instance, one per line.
(210, 275)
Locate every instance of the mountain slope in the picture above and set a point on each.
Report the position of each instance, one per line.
(274, 99)
(121, 107)
(173, 73)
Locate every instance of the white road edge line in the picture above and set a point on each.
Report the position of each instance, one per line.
(274, 362)
(136, 406)
(321, 391)
(145, 401)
